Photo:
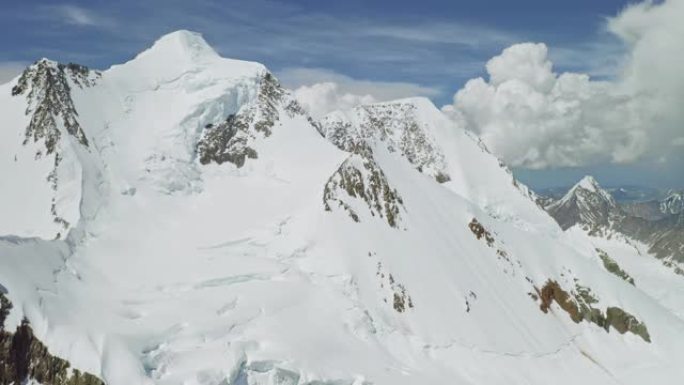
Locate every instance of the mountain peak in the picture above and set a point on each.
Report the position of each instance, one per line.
(181, 44)
(586, 203)
(182, 53)
(589, 183)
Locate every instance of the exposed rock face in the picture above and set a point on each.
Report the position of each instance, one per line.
(361, 179)
(24, 359)
(649, 210)
(480, 232)
(49, 100)
(579, 305)
(667, 237)
(226, 142)
(395, 126)
(232, 140)
(613, 267)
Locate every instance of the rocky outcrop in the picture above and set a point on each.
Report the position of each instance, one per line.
(25, 359)
(232, 139)
(580, 306)
(226, 142)
(47, 86)
(397, 294)
(624, 322)
(613, 267)
(360, 179)
(480, 232)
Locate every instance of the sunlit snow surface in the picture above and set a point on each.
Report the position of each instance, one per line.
(179, 273)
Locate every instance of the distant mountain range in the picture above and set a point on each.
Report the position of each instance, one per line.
(657, 223)
(622, 193)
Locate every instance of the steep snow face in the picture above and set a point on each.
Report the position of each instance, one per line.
(148, 115)
(398, 126)
(223, 239)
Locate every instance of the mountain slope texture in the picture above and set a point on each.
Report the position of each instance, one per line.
(181, 219)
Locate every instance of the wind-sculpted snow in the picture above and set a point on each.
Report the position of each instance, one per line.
(185, 263)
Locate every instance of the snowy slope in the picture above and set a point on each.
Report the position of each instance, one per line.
(224, 237)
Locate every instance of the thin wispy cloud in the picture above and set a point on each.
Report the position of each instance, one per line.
(458, 33)
(75, 15)
(72, 15)
(297, 77)
(428, 52)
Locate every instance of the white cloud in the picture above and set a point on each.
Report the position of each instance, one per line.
(9, 70)
(74, 15)
(296, 77)
(321, 98)
(458, 33)
(535, 118)
(321, 91)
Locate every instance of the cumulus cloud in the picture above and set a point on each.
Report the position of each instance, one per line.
(321, 91)
(535, 118)
(321, 98)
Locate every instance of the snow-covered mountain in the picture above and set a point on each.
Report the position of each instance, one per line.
(673, 203)
(591, 208)
(588, 205)
(180, 219)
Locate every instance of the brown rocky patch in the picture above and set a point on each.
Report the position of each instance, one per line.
(24, 358)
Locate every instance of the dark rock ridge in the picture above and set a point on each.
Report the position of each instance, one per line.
(47, 86)
(360, 178)
(24, 359)
(611, 266)
(232, 140)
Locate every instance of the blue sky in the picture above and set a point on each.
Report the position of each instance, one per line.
(436, 45)
(427, 47)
